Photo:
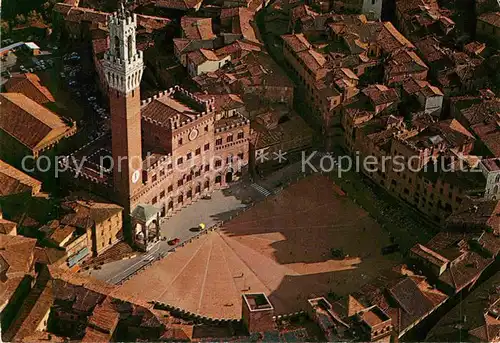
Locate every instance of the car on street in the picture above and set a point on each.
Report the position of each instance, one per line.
(149, 258)
(174, 241)
(390, 249)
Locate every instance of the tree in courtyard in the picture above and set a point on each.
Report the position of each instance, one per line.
(34, 17)
(20, 19)
(4, 28)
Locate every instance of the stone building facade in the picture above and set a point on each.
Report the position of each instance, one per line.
(178, 145)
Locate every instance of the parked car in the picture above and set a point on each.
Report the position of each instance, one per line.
(390, 249)
(338, 254)
(174, 241)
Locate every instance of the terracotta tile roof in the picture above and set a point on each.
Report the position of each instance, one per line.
(30, 123)
(107, 309)
(429, 255)
(7, 227)
(391, 39)
(62, 234)
(253, 71)
(14, 181)
(449, 132)
(244, 24)
(491, 164)
(380, 94)
(178, 4)
(151, 23)
(224, 102)
(301, 12)
(466, 271)
(313, 60)
(165, 107)
(29, 85)
(411, 6)
(181, 43)
(474, 48)
(79, 14)
(62, 8)
(18, 252)
(407, 299)
(489, 133)
(429, 47)
(95, 336)
(43, 337)
(467, 264)
(297, 42)
(475, 309)
(238, 49)
(485, 111)
(294, 129)
(50, 256)
(410, 61)
(184, 45)
(36, 315)
(86, 214)
(229, 12)
(100, 45)
(429, 90)
(16, 260)
(476, 215)
(413, 86)
(197, 28)
(492, 18)
(104, 317)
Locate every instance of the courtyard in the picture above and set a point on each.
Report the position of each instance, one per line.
(282, 246)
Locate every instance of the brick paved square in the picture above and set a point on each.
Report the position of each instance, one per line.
(281, 246)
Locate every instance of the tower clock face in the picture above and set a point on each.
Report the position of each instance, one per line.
(193, 134)
(135, 176)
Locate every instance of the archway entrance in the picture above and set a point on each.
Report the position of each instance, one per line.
(229, 176)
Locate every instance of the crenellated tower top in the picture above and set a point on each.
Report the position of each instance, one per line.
(123, 63)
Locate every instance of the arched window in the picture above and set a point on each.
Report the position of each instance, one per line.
(497, 179)
(129, 45)
(117, 46)
(495, 189)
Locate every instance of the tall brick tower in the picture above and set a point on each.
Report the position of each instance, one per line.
(123, 67)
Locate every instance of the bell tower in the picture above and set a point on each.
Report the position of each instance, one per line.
(123, 67)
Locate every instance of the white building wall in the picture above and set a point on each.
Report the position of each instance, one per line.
(372, 9)
(434, 103)
(211, 66)
(492, 190)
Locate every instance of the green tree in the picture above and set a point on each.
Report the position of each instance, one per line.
(20, 19)
(34, 16)
(4, 28)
